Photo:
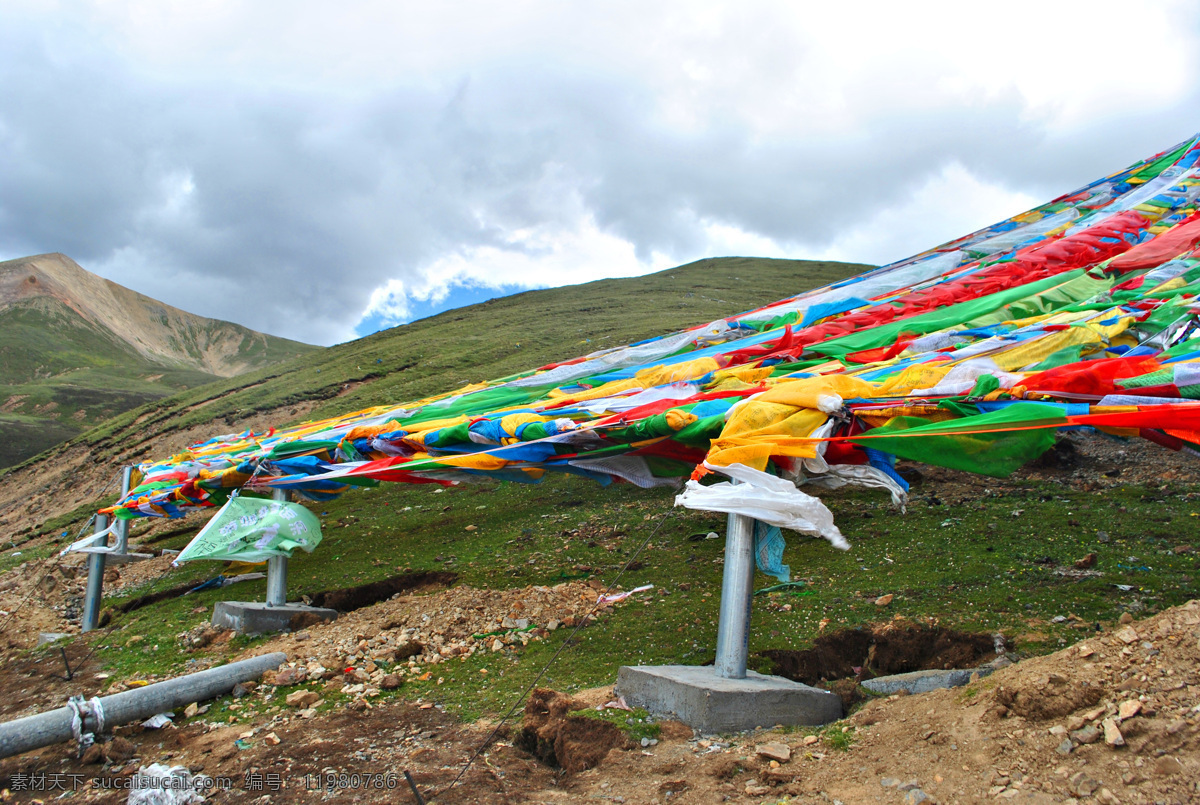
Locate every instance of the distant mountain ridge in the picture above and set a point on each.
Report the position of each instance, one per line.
(76, 349)
(157, 331)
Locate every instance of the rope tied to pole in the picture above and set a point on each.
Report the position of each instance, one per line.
(81, 708)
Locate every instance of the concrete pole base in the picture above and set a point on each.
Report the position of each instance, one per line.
(255, 617)
(709, 703)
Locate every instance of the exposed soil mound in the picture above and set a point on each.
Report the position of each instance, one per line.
(572, 743)
(1054, 697)
(348, 599)
(867, 653)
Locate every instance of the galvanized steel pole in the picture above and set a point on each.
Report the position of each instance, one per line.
(277, 567)
(737, 589)
(122, 530)
(95, 581)
(53, 727)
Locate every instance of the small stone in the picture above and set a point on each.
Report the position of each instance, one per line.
(291, 676)
(1127, 635)
(390, 681)
(553, 624)
(240, 690)
(191, 710)
(1081, 785)
(1086, 562)
(1183, 549)
(1112, 733)
(118, 750)
(1086, 735)
(1166, 766)
(809, 740)
(911, 785)
(1128, 709)
(93, 754)
(1065, 748)
(884, 600)
(302, 698)
(755, 790)
(774, 751)
(1106, 797)
(1058, 729)
(497, 645)
(1086, 651)
(272, 739)
(471, 528)
(886, 782)
(1125, 619)
(915, 796)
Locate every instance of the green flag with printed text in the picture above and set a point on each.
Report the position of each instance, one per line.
(253, 530)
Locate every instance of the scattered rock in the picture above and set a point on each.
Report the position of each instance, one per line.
(271, 739)
(1125, 619)
(1086, 562)
(1127, 635)
(291, 676)
(915, 796)
(774, 751)
(1128, 709)
(1086, 735)
(302, 698)
(1081, 785)
(1166, 766)
(118, 750)
(390, 682)
(191, 710)
(1112, 733)
(884, 600)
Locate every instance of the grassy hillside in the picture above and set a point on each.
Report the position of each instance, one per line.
(76, 349)
(479, 342)
(62, 375)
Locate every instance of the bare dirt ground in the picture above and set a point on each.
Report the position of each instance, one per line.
(1115, 718)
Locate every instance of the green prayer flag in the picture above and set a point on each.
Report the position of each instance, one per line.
(988, 444)
(254, 530)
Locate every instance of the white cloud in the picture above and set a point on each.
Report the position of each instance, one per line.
(948, 205)
(296, 166)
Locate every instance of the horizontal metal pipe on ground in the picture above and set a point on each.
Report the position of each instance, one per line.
(44, 729)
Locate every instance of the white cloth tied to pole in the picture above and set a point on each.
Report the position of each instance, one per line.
(88, 543)
(764, 497)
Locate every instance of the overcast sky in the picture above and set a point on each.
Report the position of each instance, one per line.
(318, 170)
